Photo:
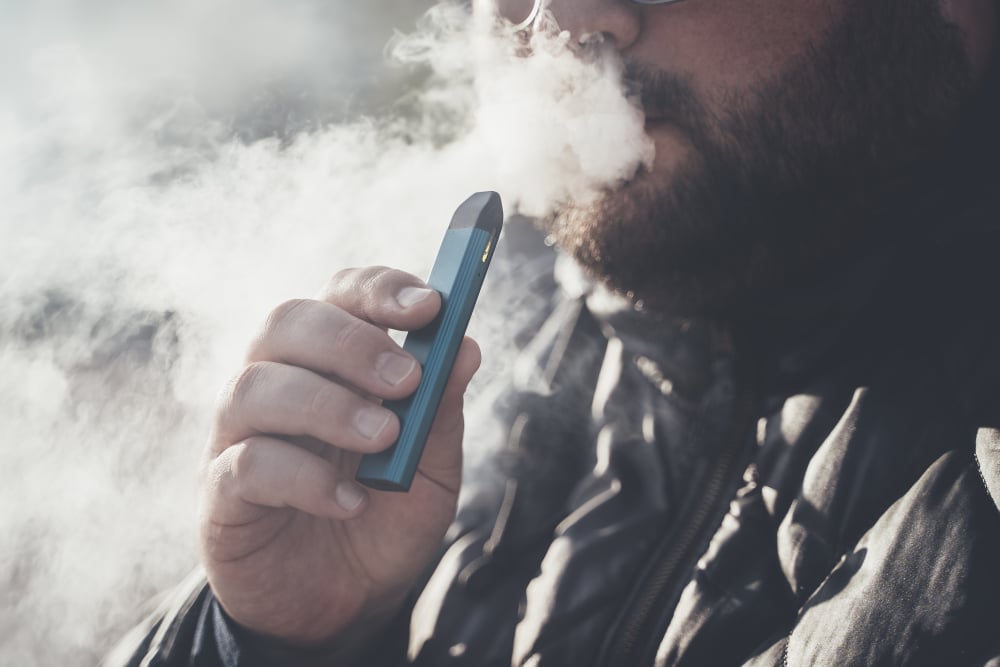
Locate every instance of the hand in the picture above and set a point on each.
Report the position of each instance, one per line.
(293, 547)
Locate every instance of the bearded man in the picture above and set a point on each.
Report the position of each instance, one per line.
(764, 433)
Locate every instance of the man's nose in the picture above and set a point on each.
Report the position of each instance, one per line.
(616, 20)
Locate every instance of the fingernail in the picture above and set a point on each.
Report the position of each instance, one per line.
(393, 368)
(411, 295)
(370, 421)
(349, 496)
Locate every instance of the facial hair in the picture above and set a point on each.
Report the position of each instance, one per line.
(790, 178)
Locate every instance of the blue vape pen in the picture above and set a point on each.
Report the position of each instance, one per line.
(457, 275)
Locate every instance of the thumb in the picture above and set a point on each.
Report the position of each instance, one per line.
(467, 362)
(443, 453)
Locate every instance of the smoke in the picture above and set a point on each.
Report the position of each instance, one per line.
(171, 171)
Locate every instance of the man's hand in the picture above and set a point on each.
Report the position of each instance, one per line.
(293, 547)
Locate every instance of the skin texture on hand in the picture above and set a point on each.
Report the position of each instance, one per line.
(293, 547)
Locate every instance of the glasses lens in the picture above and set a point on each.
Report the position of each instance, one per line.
(516, 11)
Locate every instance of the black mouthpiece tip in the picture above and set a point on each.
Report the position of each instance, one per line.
(483, 210)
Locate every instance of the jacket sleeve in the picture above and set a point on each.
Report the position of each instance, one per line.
(190, 629)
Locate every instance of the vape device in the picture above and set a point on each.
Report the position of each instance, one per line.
(457, 275)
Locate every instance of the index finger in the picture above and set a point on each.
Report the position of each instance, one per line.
(386, 297)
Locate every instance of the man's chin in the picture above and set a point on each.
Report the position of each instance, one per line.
(654, 244)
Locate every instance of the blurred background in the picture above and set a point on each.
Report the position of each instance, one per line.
(171, 170)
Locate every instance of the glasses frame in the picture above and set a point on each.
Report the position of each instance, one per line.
(537, 8)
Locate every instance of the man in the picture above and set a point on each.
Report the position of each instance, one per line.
(777, 448)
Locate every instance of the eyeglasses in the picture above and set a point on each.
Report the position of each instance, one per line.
(537, 8)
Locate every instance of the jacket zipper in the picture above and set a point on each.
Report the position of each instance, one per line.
(674, 552)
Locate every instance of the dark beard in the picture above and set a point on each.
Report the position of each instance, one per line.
(791, 178)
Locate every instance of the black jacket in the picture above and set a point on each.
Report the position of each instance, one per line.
(816, 484)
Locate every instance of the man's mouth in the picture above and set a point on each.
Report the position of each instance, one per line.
(665, 100)
(653, 112)
(655, 120)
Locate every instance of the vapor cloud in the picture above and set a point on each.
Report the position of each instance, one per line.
(169, 173)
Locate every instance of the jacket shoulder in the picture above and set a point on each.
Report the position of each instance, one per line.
(988, 458)
(165, 636)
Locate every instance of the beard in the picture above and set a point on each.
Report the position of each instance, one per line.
(790, 178)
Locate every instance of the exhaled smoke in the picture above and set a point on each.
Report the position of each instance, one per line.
(169, 173)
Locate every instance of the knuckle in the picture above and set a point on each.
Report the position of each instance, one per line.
(325, 402)
(350, 335)
(282, 314)
(247, 382)
(303, 478)
(213, 473)
(244, 458)
(371, 277)
(340, 279)
(351, 280)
